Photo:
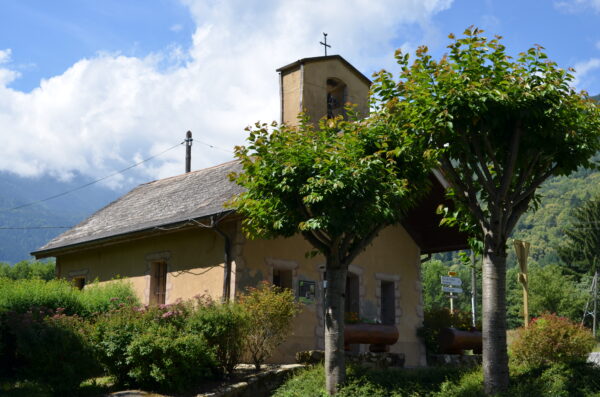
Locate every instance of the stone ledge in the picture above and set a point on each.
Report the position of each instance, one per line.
(367, 359)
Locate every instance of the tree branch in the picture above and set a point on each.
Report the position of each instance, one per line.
(534, 185)
(361, 244)
(511, 161)
(488, 177)
(318, 244)
(467, 193)
(490, 152)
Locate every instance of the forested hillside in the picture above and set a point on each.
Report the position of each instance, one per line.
(20, 231)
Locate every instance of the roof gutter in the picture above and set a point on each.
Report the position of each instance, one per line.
(227, 248)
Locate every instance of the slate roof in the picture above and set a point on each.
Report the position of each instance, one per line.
(163, 202)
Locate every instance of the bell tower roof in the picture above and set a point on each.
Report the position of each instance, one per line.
(303, 61)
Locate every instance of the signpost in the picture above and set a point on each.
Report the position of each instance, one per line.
(451, 284)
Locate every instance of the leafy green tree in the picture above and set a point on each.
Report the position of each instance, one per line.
(338, 186)
(581, 250)
(504, 126)
(550, 291)
(27, 270)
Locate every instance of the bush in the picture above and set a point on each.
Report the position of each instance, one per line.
(224, 326)
(112, 334)
(551, 339)
(162, 358)
(437, 319)
(49, 349)
(115, 331)
(99, 298)
(271, 311)
(22, 295)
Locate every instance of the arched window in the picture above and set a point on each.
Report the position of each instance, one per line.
(336, 97)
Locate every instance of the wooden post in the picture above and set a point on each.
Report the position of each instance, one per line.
(522, 250)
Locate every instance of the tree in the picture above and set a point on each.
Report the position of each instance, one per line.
(581, 250)
(503, 127)
(337, 185)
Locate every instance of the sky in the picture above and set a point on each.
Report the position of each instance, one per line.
(88, 87)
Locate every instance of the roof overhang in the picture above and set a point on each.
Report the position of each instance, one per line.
(304, 61)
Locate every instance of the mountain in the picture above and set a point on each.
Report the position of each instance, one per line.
(67, 210)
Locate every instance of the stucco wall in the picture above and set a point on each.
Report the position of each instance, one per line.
(393, 256)
(307, 90)
(194, 260)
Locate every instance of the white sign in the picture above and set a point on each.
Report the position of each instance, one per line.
(452, 289)
(451, 280)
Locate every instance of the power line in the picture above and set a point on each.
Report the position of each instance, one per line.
(90, 183)
(34, 227)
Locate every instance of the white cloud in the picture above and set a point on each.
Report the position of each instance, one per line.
(109, 111)
(5, 55)
(583, 77)
(573, 6)
(176, 28)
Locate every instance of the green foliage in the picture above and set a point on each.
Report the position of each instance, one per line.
(437, 319)
(224, 326)
(581, 250)
(47, 348)
(28, 269)
(343, 180)
(270, 313)
(559, 380)
(550, 339)
(550, 291)
(21, 295)
(99, 298)
(163, 358)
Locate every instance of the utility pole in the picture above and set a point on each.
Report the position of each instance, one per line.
(473, 290)
(188, 151)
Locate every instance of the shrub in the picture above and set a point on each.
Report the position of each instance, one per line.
(224, 326)
(99, 298)
(270, 311)
(551, 339)
(22, 295)
(116, 330)
(111, 335)
(50, 349)
(162, 358)
(437, 319)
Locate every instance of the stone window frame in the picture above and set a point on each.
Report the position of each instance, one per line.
(283, 264)
(160, 256)
(395, 278)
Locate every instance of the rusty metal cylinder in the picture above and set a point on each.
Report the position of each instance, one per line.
(374, 334)
(454, 341)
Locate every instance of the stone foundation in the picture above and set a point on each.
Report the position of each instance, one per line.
(367, 359)
(454, 359)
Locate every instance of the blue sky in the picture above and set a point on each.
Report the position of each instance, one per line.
(92, 86)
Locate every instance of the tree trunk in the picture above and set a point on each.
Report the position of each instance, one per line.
(495, 356)
(335, 365)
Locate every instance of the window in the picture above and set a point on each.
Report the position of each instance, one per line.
(78, 282)
(336, 97)
(282, 278)
(352, 301)
(158, 283)
(388, 303)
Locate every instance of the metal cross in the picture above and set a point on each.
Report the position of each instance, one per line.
(324, 44)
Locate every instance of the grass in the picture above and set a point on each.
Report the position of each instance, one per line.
(90, 388)
(568, 380)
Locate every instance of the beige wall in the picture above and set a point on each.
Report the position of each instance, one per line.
(194, 260)
(306, 88)
(393, 256)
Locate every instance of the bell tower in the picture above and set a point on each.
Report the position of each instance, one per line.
(321, 87)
